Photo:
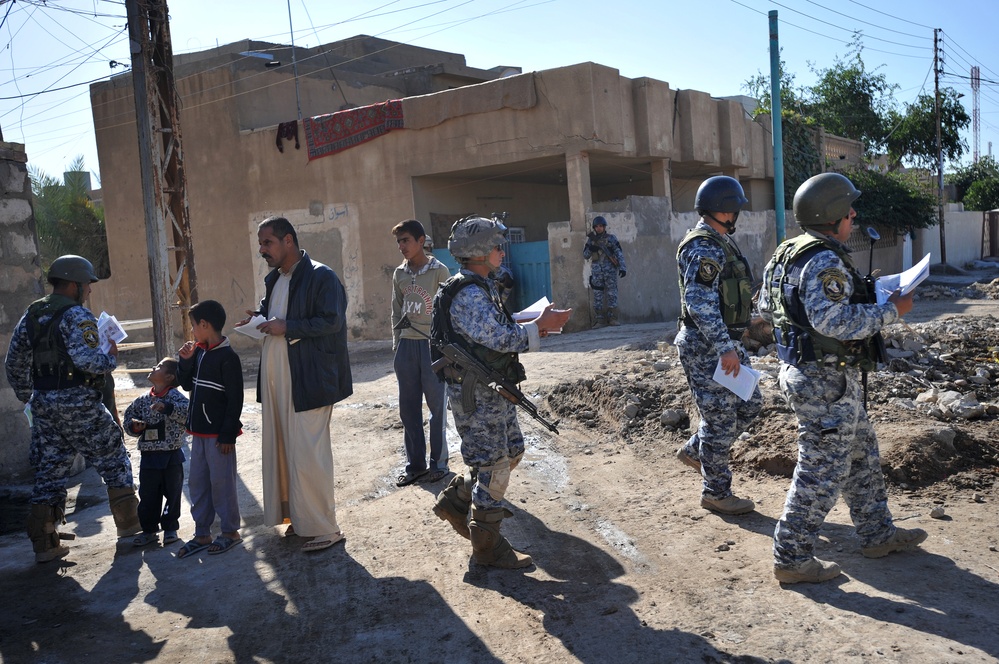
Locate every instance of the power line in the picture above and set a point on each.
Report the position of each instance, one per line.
(897, 18)
(839, 27)
(907, 34)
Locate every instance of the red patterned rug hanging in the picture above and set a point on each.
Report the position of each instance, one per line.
(335, 132)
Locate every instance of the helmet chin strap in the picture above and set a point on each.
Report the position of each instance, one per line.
(728, 225)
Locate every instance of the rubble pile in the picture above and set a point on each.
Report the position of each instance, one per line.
(935, 405)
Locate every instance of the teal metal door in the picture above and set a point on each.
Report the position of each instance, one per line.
(531, 267)
(532, 274)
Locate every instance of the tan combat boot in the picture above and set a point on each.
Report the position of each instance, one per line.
(902, 540)
(730, 505)
(612, 317)
(124, 508)
(453, 503)
(488, 546)
(600, 320)
(42, 532)
(810, 571)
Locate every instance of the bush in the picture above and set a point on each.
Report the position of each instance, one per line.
(982, 195)
(896, 201)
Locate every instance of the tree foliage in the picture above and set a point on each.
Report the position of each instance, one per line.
(983, 195)
(758, 87)
(897, 201)
(801, 156)
(914, 138)
(965, 176)
(852, 101)
(66, 220)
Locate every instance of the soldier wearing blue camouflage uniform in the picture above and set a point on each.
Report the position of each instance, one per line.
(55, 364)
(715, 306)
(606, 264)
(825, 321)
(468, 311)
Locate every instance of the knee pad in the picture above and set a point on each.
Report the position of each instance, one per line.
(515, 461)
(499, 477)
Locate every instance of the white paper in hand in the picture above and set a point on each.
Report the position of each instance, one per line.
(533, 311)
(905, 281)
(108, 330)
(742, 385)
(250, 329)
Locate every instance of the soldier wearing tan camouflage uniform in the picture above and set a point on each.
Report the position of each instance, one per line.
(715, 305)
(468, 311)
(824, 320)
(55, 364)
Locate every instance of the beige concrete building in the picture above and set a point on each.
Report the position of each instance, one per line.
(552, 148)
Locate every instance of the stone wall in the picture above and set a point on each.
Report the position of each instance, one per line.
(20, 285)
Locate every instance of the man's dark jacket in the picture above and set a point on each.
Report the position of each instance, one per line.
(316, 334)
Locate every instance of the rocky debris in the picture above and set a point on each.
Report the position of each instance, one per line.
(934, 405)
(938, 513)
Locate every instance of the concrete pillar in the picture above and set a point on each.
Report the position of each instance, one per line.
(661, 179)
(20, 285)
(577, 177)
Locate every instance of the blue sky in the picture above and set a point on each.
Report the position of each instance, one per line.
(709, 45)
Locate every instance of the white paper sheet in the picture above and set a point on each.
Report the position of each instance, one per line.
(532, 312)
(742, 385)
(250, 329)
(109, 329)
(906, 281)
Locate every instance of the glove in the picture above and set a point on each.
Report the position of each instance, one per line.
(591, 248)
(622, 273)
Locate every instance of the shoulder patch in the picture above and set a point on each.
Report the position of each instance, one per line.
(707, 272)
(90, 336)
(833, 284)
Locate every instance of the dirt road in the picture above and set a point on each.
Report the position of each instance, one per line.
(628, 566)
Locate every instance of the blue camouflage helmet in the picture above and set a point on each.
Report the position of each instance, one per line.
(475, 236)
(599, 221)
(720, 193)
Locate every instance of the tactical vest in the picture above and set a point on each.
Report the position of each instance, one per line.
(52, 367)
(735, 285)
(797, 341)
(442, 332)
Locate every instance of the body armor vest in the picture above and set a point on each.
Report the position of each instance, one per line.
(442, 332)
(735, 285)
(52, 367)
(797, 341)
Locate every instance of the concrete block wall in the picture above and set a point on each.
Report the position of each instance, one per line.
(962, 233)
(20, 285)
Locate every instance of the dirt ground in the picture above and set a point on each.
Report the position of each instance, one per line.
(628, 567)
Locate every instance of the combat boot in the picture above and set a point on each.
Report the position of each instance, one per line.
(453, 503)
(729, 505)
(42, 532)
(902, 539)
(600, 320)
(124, 508)
(812, 570)
(488, 546)
(612, 317)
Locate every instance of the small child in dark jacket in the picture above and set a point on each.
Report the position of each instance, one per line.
(211, 372)
(158, 420)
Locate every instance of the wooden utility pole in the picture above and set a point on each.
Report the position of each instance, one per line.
(173, 283)
(937, 66)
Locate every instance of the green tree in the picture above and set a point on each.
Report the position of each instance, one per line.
(758, 87)
(896, 201)
(852, 101)
(66, 220)
(914, 138)
(983, 195)
(965, 176)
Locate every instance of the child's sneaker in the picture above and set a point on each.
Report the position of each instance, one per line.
(170, 536)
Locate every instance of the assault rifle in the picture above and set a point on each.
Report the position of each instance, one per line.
(459, 362)
(601, 245)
